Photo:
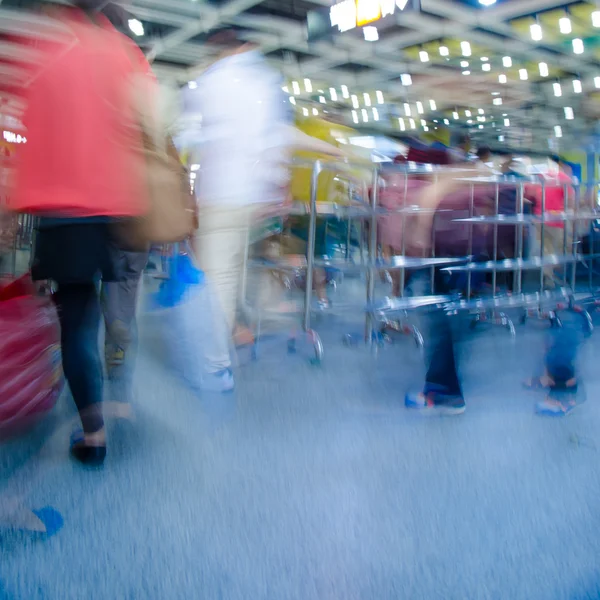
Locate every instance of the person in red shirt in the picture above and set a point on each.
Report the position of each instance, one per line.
(79, 171)
(555, 184)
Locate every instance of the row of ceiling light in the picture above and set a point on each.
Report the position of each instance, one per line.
(565, 27)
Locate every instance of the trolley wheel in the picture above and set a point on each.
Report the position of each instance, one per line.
(418, 338)
(349, 341)
(318, 347)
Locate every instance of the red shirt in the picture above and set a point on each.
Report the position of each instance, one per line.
(555, 195)
(82, 157)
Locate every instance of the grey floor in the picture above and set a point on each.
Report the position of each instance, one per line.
(316, 483)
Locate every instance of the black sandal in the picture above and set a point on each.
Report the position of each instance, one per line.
(90, 456)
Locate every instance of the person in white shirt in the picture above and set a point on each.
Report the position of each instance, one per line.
(244, 140)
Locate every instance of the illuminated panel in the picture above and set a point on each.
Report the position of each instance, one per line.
(343, 15)
(367, 11)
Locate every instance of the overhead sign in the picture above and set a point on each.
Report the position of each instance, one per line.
(349, 14)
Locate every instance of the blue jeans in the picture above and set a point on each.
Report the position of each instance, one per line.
(79, 314)
(440, 361)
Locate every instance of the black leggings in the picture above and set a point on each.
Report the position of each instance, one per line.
(80, 316)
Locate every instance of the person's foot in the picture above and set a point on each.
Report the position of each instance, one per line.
(554, 407)
(243, 336)
(221, 382)
(89, 449)
(436, 404)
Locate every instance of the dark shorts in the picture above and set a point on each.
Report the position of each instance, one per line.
(77, 253)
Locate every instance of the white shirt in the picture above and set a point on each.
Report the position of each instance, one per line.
(242, 143)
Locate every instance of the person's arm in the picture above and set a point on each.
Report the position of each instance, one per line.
(299, 140)
(419, 237)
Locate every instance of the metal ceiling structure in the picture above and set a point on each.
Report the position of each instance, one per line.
(525, 109)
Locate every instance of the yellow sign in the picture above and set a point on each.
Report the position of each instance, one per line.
(367, 11)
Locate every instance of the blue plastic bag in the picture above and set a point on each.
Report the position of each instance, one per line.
(184, 274)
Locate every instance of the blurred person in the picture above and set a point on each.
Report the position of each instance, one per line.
(79, 172)
(243, 146)
(442, 392)
(555, 242)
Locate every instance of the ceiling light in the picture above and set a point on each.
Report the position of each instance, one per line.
(402, 124)
(467, 113)
(406, 79)
(481, 119)
(365, 115)
(577, 88)
(536, 32)
(569, 114)
(564, 25)
(455, 115)
(487, 2)
(407, 110)
(296, 88)
(484, 59)
(597, 82)
(446, 122)
(315, 112)
(379, 96)
(411, 122)
(507, 61)
(578, 46)
(558, 131)
(322, 100)
(465, 48)
(293, 100)
(305, 112)
(481, 111)
(481, 127)
(502, 78)
(464, 64)
(470, 122)
(433, 105)
(192, 85)
(423, 123)
(367, 99)
(371, 34)
(497, 101)
(375, 114)
(420, 108)
(308, 85)
(424, 56)
(506, 122)
(355, 101)
(333, 94)
(557, 89)
(466, 72)
(137, 28)
(425, 128)
(596, 18)
(486, 67)
(523, 74)
(500, 138)
(355, 116)
(444, 51)
(345, 92)
(543, 69)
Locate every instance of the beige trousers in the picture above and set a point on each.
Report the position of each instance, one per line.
(554, 244)
(220, 245)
